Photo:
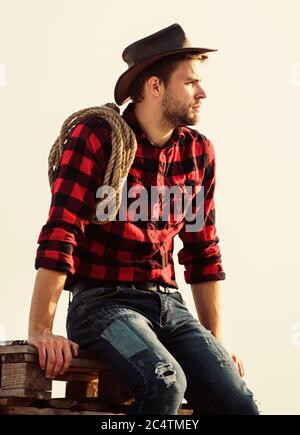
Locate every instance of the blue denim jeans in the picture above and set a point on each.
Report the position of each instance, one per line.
(159, 351)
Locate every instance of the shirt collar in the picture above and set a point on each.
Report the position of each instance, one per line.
(131, 119)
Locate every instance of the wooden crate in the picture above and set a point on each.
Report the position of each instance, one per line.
(91, 387)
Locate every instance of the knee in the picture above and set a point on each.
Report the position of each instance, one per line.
(247, 406)
(169, 381)
(244, 404)
(161, 391)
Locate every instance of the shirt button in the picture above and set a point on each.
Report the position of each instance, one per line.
(152, 236)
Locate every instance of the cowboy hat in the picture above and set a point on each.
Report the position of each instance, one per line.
(142, 53)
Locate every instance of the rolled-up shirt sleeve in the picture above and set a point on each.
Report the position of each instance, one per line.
(79, 174)
(200, 254)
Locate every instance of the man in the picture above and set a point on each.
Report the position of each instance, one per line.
(126, 301)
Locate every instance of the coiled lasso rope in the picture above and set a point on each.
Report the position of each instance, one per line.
(124, 146)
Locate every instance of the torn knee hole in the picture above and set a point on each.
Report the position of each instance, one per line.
(166, 372)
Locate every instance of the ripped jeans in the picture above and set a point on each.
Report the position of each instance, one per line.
(159, 351)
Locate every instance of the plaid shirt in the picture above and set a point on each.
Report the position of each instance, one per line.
(131, 251)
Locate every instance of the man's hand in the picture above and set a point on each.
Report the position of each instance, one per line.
(55, 352)
(239, 364)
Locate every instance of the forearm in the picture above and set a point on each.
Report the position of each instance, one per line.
(207, 300)
(47, 290)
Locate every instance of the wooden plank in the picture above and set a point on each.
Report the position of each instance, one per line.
(89, 354)
(77, 362)
(12, 410)
(86, 358)
(22, 347)
(62, 403)
(19, 357)
(78, 377)
(88, 363)
(12, 342)
(83, 370)
(4, 350)
(19, 410)
(16, 401)
(95, 405)
(87, 404)
(26, 393)
(24, 375)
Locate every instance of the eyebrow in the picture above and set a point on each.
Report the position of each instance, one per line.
(193, 79)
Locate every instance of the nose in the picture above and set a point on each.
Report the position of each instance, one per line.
(200, 93)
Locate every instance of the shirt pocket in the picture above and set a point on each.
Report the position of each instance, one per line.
(132, 190)
(184, 193)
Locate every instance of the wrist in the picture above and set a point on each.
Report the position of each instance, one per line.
(39, 331)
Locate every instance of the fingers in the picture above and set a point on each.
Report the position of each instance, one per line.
(67, 359)
(50, 360)
(42, 357)
(64, 350)
(239, 365)
(55, 353)
(241, 369)
(74, 348)
(69, 350)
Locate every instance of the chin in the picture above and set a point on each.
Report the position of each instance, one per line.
(192, 121)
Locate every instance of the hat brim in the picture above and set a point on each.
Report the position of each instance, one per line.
(121, 93)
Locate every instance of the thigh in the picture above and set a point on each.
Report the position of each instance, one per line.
(214, 385)
(126, 341)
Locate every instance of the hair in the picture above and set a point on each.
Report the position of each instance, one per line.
(163, 69)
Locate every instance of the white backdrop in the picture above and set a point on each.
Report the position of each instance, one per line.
(59, 56)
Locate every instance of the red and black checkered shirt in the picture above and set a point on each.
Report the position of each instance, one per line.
(129, 250)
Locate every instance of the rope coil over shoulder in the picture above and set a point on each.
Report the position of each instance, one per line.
(124, 146)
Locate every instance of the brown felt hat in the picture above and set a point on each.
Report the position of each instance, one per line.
(144, 52)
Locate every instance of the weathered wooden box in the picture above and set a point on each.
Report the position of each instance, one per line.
(91, 387)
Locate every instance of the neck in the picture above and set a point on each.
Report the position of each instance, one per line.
(157, 129)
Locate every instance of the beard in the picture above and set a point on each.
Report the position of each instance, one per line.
(176, 113)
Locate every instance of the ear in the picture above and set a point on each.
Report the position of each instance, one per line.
(155, 86)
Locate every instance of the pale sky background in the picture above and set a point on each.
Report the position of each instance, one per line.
(60, 56)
